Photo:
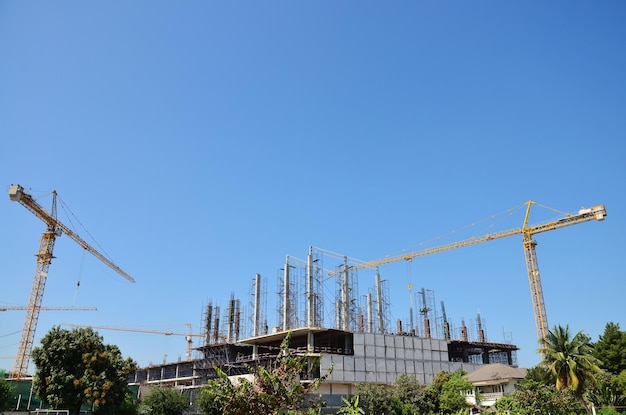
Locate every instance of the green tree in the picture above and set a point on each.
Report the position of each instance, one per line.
(128, 407)
(411, 396)
(570, 359)
(434, 389)
(541, 374)
(608, 392)
(6, 395)
(536, 396)
(276, 389)
(610, 349)
(164, 401)
(620, 380)
(351, 406)
(452, 399)
(74, 368)
(446, 393)
(220, 397)
(377, 399)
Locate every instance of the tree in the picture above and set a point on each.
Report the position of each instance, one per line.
(220, 397)
(164, 401)
(276, 389)
(377, 399)
(434, 389)
(128, 407)
(452, 399)
(570, 359)
(536, 397)
(608, 393)
(6, 395)
(610, 349)
(74, 368)
(351, 406)
(446, 392)
(411, 396)
(541, 374)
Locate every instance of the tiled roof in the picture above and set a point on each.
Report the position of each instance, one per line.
(496, 371)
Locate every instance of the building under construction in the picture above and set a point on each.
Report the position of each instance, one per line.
(355, 337)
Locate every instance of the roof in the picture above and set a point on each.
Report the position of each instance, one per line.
(278, 336)
(495, 373)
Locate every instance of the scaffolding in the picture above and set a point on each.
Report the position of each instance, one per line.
(257, 307)
(301, 285)
(428, 312)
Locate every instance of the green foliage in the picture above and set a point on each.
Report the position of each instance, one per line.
(446, 393)
(620, 380)
(164, 401)
(608, 411)
(75, 368)
(570, 359)
(536, 395)
(411, 396)
(408, 397)
(608, 392)
(433, 390)
(507, 405)
(452, 398)
(128, 407)
(610, 349)
(377, 399)
(7, 400)
(217, 396)
(351, 406)
(276, 389)
(540, 374)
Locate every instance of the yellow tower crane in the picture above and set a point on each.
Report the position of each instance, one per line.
(44, 258)
(188, 336)
(597, 212)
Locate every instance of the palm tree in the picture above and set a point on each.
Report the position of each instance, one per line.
(570, 359)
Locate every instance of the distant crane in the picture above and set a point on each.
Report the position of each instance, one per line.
(45, 308)
(597, 212)
(44, 258)
(188, 336)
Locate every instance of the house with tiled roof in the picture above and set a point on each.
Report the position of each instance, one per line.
(492, 382)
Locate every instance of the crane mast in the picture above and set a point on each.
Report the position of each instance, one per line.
(44, 258)
(597, 212)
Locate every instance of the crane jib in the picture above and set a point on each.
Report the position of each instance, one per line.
(17, 194)
(44, 257)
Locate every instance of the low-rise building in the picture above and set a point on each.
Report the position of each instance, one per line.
(491, 382)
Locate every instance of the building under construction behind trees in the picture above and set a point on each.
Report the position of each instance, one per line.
(354, 338)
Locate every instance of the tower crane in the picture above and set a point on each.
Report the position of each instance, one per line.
(188, 336)
(44, 258)
(597, 212)
(24, 307)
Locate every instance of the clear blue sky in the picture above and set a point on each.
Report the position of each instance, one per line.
(201, 142)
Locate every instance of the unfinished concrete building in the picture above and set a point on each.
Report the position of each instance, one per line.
(352, 336)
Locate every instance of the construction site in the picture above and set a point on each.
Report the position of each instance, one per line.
(352, 333)
(331, 311)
